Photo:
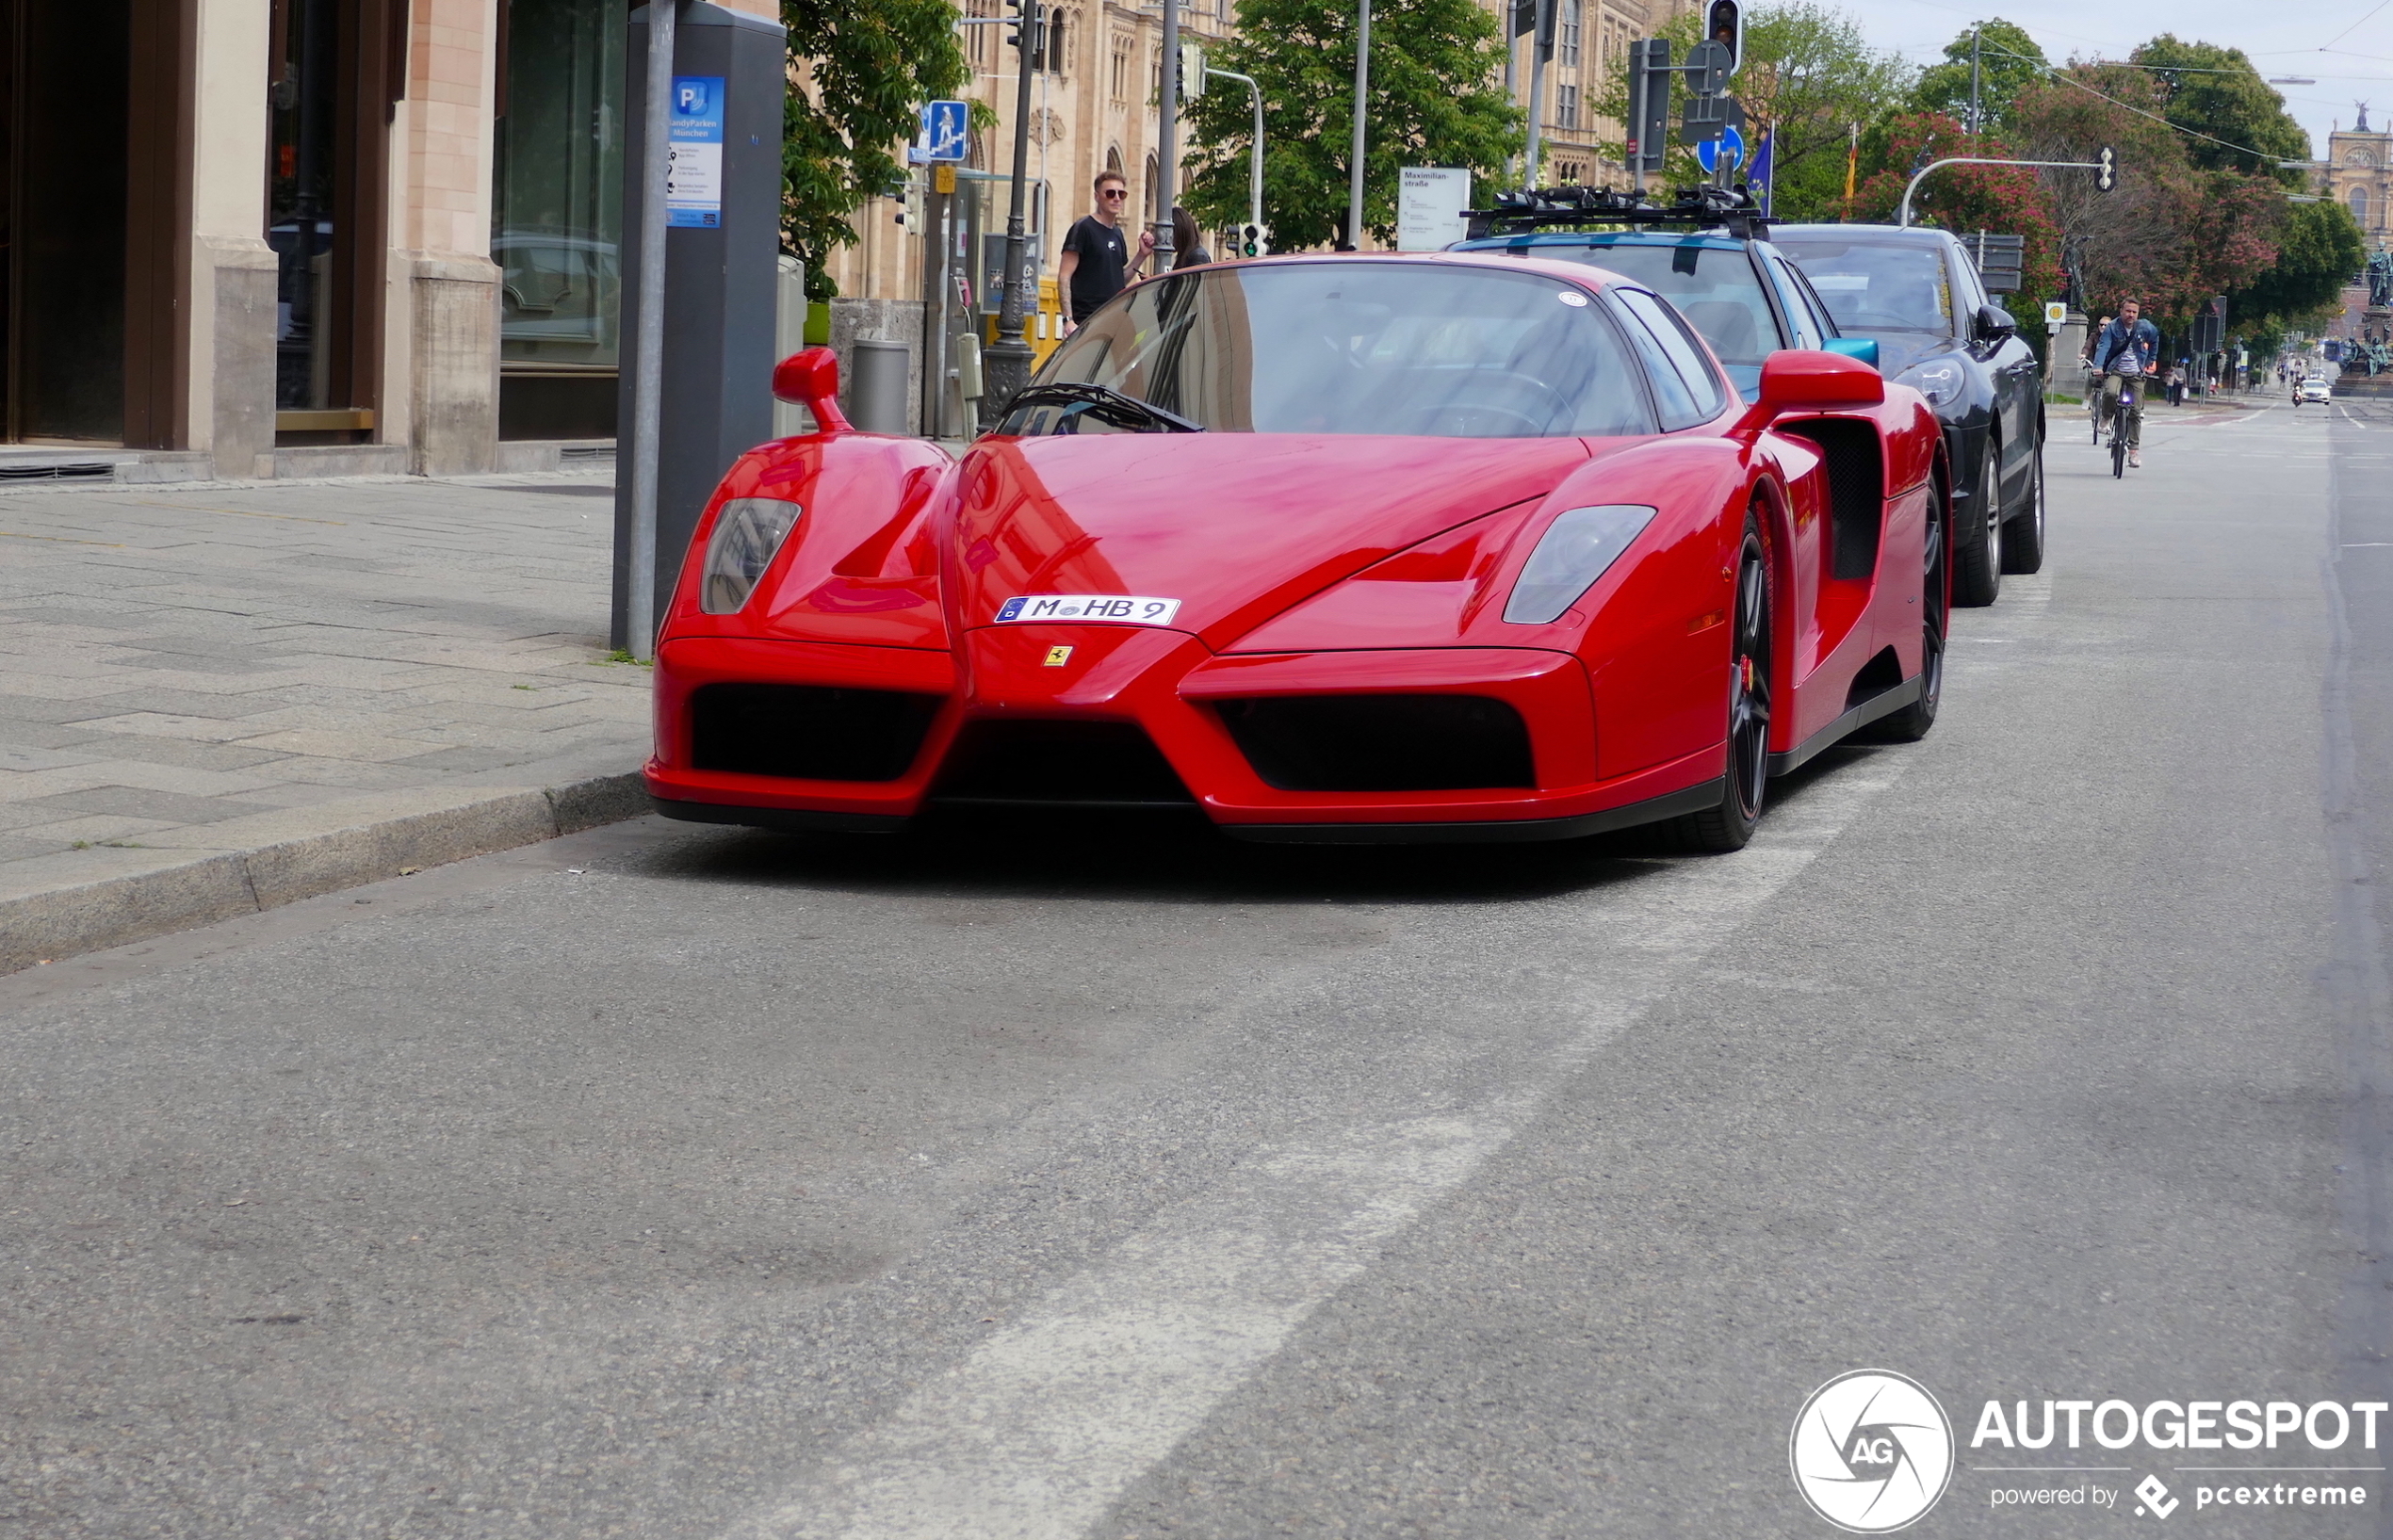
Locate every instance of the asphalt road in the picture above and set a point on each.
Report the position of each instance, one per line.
(669, 1182)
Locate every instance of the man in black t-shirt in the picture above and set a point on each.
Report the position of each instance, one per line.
(1095, 261)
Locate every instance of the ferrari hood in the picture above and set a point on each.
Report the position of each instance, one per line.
(1232, 527)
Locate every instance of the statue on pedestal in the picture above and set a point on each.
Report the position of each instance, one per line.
(2380, 281)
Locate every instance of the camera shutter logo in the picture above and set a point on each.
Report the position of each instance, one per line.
(1871, 1450)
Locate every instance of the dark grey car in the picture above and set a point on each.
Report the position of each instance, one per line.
(1917, 292)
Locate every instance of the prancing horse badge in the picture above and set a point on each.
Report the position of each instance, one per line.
(1058, 656)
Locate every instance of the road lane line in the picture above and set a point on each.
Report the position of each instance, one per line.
(1039, 1431)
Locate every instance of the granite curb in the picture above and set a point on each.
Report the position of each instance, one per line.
(108, 894)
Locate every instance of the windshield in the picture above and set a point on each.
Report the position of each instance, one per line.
(1871, 287)
(1713, 287)
(1372, 346)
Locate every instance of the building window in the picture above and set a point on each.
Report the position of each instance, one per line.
(2360, 207)
(1119, 82)
(1570, 174)
(1568, 44)
(557, 204)
(1566, 106)
(977, 40)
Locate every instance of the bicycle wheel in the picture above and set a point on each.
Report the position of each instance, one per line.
(2119, 442)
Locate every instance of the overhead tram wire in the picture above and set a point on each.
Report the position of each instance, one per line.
(2056, 73)
(2355, 25)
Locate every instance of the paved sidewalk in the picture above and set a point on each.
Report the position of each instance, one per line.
(338, 677)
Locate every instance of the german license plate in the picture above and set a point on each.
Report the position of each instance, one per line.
(1111, 608)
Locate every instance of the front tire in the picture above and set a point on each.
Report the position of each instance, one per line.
(2022, 547)
(1978, 567)
(1751, 675)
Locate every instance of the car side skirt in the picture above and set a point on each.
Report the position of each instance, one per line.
(1884, 703)
(1694, 799)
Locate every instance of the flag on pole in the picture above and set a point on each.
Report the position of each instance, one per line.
(1758, 181)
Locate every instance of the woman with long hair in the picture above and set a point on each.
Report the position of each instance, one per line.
(1186, 240)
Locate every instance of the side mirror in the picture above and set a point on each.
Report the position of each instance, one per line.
(1798, 380)
(1863, 348)
(1995, 324)
(810, 378)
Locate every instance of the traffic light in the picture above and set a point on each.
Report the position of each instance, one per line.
(1254, 240)
(1724, 24)
(1524, 17)
(1029, 28)
(2106, 169)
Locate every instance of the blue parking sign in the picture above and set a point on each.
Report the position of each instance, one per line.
(945, 131)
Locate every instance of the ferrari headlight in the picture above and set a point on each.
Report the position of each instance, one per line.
(1939, 380)
(1575, 550)
(746, 533)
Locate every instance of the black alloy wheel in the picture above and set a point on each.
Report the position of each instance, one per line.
(1912, 722)
(1978, 567)
(1751, 672)
(2022, 547)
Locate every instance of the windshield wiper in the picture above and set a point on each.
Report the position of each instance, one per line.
(1105, 403)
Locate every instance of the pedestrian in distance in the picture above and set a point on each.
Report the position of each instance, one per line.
(2128, 350)
(1187, 240)
(1097, 263)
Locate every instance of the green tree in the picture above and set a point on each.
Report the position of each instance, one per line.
(2215, 91)
(2007, 61)
(859, 68)
(2319, 248)
(1810, 75)
(2174, 233)
(1432, 102)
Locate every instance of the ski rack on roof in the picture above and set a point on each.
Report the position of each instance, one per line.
(1731, 210)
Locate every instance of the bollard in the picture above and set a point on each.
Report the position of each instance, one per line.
(876, 398)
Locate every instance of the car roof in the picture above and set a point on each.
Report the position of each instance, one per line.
(1717, 239)
(1877, 235)
(1489, 258)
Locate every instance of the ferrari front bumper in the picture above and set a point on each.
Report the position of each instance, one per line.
(1415, 745)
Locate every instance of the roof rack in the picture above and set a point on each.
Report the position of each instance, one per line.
(1731, 209)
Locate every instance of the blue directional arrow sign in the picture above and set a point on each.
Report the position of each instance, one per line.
(1731, 143)
(944, 131)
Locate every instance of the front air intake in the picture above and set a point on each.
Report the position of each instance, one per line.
(808, 732)
(1006, 761)
(1382, 743)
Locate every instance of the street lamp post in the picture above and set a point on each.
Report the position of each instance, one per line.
(1167, 139)
(1006, 366)
(647, 375)
(1255, 170)
(1363, 90)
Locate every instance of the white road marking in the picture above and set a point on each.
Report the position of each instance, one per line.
(1039, 1431)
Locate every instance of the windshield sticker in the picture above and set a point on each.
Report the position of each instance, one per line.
(1572, 297)
(1111, 608)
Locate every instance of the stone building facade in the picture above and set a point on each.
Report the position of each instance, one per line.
(312, 235)
(2359, 174)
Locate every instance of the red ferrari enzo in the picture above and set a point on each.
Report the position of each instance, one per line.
(1332, 548)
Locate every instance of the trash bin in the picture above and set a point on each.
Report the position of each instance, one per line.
(876, 396)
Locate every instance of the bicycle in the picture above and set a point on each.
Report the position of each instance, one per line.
(2119, 425)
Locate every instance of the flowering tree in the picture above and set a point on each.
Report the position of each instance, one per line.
(2004, 200)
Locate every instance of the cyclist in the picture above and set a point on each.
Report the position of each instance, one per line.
(2127, 350)
(2093, 376)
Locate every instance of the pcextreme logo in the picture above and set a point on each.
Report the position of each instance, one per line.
(1871, 1450)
